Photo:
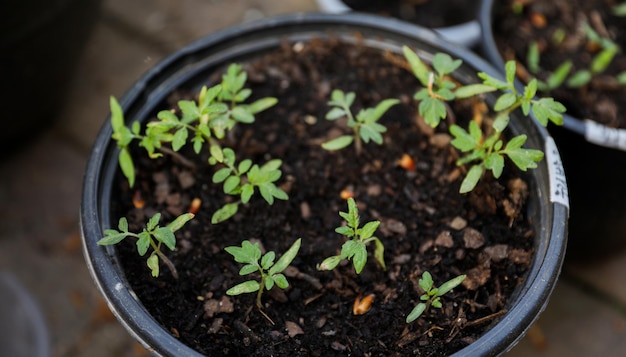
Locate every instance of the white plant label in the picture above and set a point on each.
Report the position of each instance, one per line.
(558, 184)
(605, 136)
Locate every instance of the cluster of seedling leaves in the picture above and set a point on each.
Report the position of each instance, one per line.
(582, 77)
(217, 110)
(432, 294)
(152, 236)
(484, 150)
(355, 248)
(365, 125)
(270, 270)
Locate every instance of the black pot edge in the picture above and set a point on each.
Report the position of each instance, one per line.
(144, 328)
(593, 132)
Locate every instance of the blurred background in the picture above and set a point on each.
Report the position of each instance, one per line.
(60, 60)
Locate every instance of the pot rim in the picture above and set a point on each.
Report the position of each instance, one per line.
(465, 33)
(592, 131)
(102, 165)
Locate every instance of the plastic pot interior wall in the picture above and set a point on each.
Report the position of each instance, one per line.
(189, 68)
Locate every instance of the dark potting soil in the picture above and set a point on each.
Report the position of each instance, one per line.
(603, 99)
(426, 224)
(429, 13)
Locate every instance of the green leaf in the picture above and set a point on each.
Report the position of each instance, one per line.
(248, 269)
(153, 222)
(281, 281)
(353, 213)
(471, 179)
(271, 165)
(450, 284)
(224, 213)
(509, 70)
(426, 281)
(244, 166)
(532, 57)
(335, 113)
(248, 253)
(525, 158)
(166, 236)
(240, 114)
(338, 143)
(266, 193)
(579, 79)
(417, 311)
(189, 109)
(117, 115)
(111, 239)
(231, 184)
(501, 121)
(371, 131)
(360, 258)
(462, 139)
(262, 104)
(329, 263)
(420, 70)
(473, 90)
(603, 59)
(286, 259)
(269, 283)
(444, 64)
(127, 166)
(349, 248)
(249, 286)
(505, 101)
(379, 253)
(495, 163)
(345, 230)
(153, 264)
(382, 108)
(180, 139)
(143, 243)
(433, 110)
(493, 81)
(221, 174)
(247, 191)
(123, 224)
(548, 109)
(369, 229)
(268, 260)
(558, 76)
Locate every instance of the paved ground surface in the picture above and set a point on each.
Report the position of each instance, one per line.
(40, 193)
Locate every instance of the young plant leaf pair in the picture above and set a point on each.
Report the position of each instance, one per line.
(432, 295)
(355, 248)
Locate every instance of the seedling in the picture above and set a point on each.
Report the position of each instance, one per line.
(217, 110)
(484, 150)
(582, 77)
(152, 236)
(432, 295)
(365, 125)
(270, 271)
(356, 247)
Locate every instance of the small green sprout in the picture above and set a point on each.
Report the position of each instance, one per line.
(365, 125)
(152, 236)
(356, 247)
(432, 295)
(485, 150)
(582, 77)
(215, 113)
(270, 271)
(241, 179)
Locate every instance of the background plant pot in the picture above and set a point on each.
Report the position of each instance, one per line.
(23, 332)
(460, 27)
(191, 66)
(595, 163)
(40, 43)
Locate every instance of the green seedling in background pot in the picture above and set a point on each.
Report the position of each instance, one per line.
(355, 248)
(153, 236)
(483, 149)
(269, 269)
(217, 110)
(432, 295)
(365, 124)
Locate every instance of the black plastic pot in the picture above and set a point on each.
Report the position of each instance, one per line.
(190, 66)
(595, 163)
(464, 31)
(41, 42)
